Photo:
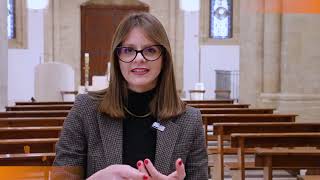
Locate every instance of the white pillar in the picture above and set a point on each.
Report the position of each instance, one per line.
(3, 55)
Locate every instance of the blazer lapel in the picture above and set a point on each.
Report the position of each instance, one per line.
(111, 136)
(166, 141)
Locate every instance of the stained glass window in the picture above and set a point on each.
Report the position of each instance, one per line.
(11, 19)
(221, 19)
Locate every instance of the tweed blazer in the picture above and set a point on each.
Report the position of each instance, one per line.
(93, 140)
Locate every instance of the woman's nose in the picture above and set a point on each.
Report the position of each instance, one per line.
(139, 57)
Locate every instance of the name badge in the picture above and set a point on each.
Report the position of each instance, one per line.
(158, 126)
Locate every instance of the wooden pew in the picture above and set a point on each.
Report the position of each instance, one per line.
(38, 107)
(18, 146)
(236, 111)
(31, 122)
(223, 131)
(215, 101)
(45, 103)
(286, 159)
(33, 114)
(29, 132)
(268, 140)
(209, 119)
(31, 159)
(219, 105)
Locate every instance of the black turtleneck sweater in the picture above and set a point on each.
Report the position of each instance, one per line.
(139, 138)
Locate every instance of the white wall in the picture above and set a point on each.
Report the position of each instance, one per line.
(3, 55)
(191, 51)
(213, 57)
(217, 58)
(22, 62)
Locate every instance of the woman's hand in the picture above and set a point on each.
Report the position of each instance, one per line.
(119, 172)
(147, 166)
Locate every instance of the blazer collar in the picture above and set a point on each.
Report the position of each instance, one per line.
(111, 136)
(166, 141)
(111, 132)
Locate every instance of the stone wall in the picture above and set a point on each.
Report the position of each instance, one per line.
(280, 61)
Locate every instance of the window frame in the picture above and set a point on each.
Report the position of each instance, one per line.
(204, 30)
(20, 41)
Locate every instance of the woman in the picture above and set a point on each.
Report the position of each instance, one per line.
(138, 128)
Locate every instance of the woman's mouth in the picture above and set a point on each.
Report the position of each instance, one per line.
(140, 71)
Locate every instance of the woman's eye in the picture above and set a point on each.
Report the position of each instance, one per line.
(127, 50)
(151, 50)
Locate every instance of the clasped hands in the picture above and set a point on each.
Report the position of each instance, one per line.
(145, 171)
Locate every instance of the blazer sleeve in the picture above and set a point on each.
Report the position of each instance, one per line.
(197, 160)
(71, 148)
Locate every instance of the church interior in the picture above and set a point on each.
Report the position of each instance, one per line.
(252, 67)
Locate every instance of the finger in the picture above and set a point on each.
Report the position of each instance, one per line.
(141, 167)
(154, 173)
(132, 173)
(181, 172)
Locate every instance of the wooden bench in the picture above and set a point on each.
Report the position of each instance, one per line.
(269, 140)
(17, 146)
(286, 159)
(31, 121)
(209, 119)
(223, 131)
(33, 114)
(39, 107)
(219, 105)
(45, 103)
(31, 159)
(215, 101)
(236, 111)
(29, 132)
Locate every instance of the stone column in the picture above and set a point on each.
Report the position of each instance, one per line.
(3, 55)
(272, 46)
(251, 51)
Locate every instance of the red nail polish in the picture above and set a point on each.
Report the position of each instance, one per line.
(145, 177)
(138, 163)
(146, 161)
(180, 162)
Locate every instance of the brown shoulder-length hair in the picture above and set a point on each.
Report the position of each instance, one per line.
(166, 103)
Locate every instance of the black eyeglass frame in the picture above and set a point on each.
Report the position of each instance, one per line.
(162, 49)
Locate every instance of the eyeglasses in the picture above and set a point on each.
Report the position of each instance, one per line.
(128, 54)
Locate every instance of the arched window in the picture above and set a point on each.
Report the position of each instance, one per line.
(221, 19)
(219, 24)
(17, 26)
(11, 19)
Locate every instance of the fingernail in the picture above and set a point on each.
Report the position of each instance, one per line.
(146, 161)
(180, 162)
(138, 163)
(145, 177)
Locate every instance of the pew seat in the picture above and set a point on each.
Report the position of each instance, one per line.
(53, 113)
(30, 132)
(35, 145)
(44, 103)
(269, 140)
(39, 107)
(236, 111)
(219, 105)
(214, 101)
(269, 159)
(31, 121)
(30, 159)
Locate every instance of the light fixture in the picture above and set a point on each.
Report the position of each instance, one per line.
(190, 5)
(37, 4)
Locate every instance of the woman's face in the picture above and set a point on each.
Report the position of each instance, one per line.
(140, 74)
